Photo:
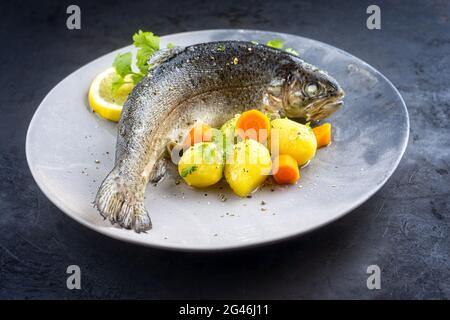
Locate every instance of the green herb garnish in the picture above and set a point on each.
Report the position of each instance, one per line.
(147, 44)
(117, 82)
(122, 63)
(278, 44)
(291, 51)
(220, 48)
(275, 43)
(188, 170)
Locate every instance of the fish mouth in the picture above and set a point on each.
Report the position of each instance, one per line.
(336, 104)
(338, 100)
(325, 108)
(329, 103)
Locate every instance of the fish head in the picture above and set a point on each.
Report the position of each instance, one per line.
(310, 93)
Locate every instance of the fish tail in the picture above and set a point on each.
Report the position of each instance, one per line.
(122, 202)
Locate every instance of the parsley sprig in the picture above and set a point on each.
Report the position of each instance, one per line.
(147, 44)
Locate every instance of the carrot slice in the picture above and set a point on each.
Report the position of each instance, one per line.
(323, 134)
(285, 169)
(199, 133)
(253, 124)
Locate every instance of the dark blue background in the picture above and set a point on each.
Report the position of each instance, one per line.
(404, 228)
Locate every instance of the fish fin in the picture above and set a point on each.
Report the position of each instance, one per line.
(119, 201)
(163, 55)
(159, 169)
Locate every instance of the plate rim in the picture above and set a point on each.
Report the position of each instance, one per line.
(226, 247)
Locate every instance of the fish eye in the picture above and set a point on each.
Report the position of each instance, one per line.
(312, 88)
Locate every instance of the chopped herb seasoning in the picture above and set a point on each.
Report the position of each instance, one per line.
(188, 170)
(292, 51)
(275, 43)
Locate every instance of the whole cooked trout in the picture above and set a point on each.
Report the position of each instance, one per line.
(208, 82)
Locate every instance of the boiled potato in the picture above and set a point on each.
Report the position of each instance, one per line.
(294, 139)
(248, 167)
(230, 125)
(201, 165)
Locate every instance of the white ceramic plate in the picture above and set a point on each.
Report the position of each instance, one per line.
(65, 139)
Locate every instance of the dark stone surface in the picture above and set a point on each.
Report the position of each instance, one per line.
(404, 228)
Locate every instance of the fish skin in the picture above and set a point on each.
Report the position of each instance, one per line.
(208, 82)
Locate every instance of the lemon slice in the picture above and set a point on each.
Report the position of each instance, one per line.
(103, 100)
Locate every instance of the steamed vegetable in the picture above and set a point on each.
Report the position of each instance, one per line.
(230, 126)
(294, 139)
(285, 169)
(323, 134)
(248, 167)
(253, 124)
(201, 165)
